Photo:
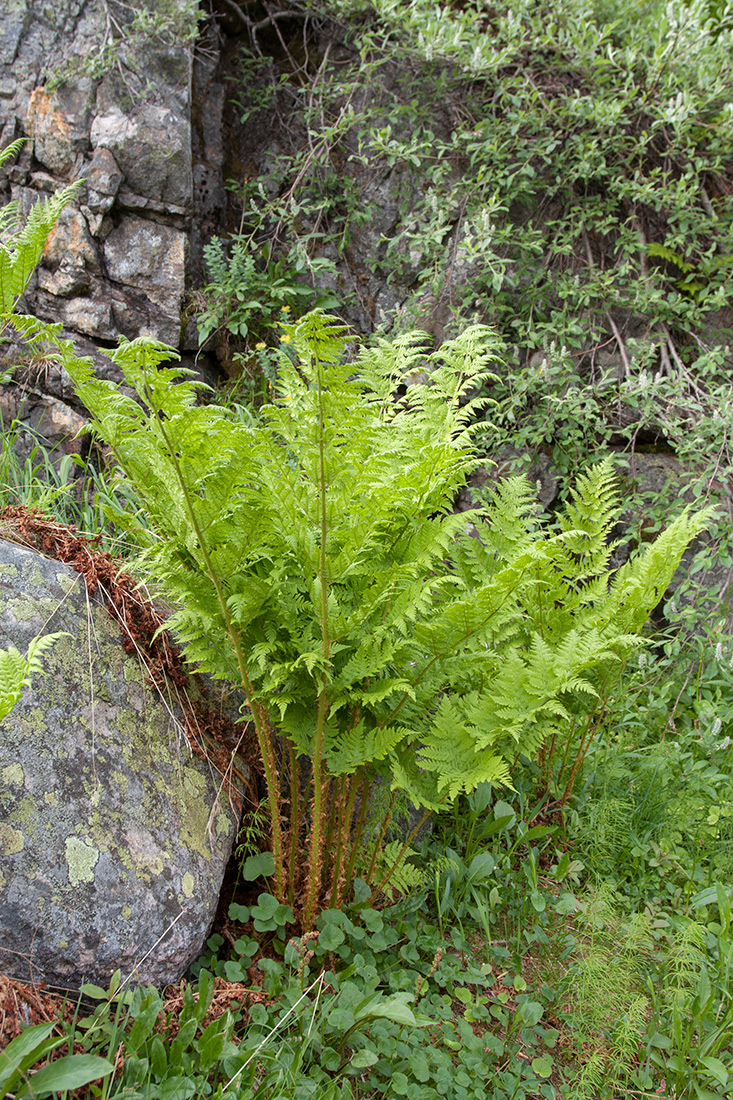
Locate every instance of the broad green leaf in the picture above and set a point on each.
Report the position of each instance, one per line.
(363, 1059)
(718, 1069)
(72, 1072)
(22, 1052)
(261, 864)
(392, 1008)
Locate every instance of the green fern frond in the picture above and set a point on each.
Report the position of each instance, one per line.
(405, 877)
(352, 747)
(366, 626)
(639, 585)
(17, 671)
(664, 253)
(21, 251)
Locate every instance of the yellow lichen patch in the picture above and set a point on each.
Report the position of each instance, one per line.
(26, 815)
(12, 776)
(12, 841)
(194, 813)
(187, 884)
(81, 859)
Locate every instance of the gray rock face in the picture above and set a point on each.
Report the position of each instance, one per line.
(142, 254)
(113, 839)
(123, 125)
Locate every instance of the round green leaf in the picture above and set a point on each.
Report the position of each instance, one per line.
(542, 1065)
(363, 1059)
(261, 864)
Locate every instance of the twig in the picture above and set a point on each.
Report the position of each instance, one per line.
(621, 346)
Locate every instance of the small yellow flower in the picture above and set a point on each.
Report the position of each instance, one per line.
(285, 309)
(286, 339)
(260, 346)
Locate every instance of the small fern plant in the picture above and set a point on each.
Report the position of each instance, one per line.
(17, 671)
(315, 561)
(22, 242)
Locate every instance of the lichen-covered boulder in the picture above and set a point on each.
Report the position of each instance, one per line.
(113, 836)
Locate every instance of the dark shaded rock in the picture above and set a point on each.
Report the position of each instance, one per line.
(538, 469)
(113, 839)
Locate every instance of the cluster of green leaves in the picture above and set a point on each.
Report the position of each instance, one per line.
(559, 172)
(22, 240)
(371, 1004)
(71, 1071)
(580, 1001)
(74, 490)
(548, 168)
(241, 307)
(655, 817)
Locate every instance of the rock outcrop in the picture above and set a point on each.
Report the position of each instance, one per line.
(101, 96)
(113, 836)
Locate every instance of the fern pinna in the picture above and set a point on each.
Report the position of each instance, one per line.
(315, 561)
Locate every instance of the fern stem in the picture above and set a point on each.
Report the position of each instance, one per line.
(345, 844)
(410, 837)
(335, 832)
(259, 714)
(342, 887)
(315, 865)
(580, 754)
(566, 751)
(586, 739)
(294, 818)
(380, 837)
(334, 825)
(360, 787)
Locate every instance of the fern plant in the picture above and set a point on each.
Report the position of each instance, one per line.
(22, 244)
(315, 561)
(16, 671)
